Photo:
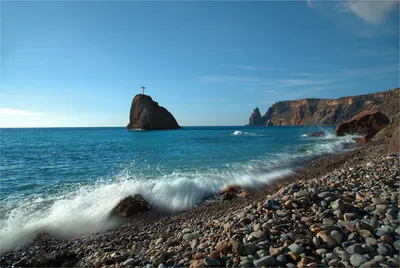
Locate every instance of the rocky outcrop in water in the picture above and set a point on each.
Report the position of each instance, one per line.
(255, 118)
(366, 123)
(329, 112)
(316, 134)
(147, 114)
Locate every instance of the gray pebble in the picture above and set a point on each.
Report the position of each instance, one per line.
(358, 260)
(265, 261)
(211, 262)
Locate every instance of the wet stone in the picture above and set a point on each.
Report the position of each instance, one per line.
(381, 231)
(296, 248)
(355, 249)
(358, 260)
(265, 261)
(210, 262)
(337, 236)
(281, 258)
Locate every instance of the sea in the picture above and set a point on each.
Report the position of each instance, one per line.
(65, 181)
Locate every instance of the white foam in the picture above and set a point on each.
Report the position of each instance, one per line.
(241, 133)
(86, 209)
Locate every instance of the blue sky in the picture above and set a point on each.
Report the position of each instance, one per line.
(209, 63)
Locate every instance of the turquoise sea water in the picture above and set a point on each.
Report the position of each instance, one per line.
(66, 180)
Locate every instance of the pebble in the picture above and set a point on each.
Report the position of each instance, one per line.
(370, 241)
(130, 261)
(265, 261)
(355, 249)
(274, 251)
(249, 249)
(210, 262)
(337, 236)
(281, 258)
(190, 236)
(357, 260)
(296, 248)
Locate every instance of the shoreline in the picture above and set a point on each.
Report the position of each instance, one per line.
(136, 234)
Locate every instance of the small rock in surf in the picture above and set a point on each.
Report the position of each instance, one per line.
(130, 206)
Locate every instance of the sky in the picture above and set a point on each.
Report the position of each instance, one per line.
(80, 63)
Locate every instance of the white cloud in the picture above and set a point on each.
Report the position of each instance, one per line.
(8, 111)
(370, 11)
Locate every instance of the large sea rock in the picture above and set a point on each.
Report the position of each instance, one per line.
(366, 123)
(255, 118)
(147, 114)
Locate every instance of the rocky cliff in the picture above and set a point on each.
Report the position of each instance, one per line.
(147, 114)
(328, 112)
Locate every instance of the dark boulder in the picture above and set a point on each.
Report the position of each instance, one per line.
(147, 114)
(366, 123)
(130, 206)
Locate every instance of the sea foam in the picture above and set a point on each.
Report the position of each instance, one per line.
(86, 208)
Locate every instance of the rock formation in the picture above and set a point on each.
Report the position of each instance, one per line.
(366, 123)
(147, 114)
(255, 118)
(130, 206)
(328, 112)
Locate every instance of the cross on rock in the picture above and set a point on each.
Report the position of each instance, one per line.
(143, 88)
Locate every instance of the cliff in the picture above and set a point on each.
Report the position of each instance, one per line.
(328, 112)
(147, 114)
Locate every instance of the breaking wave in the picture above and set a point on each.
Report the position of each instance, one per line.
(85, 208)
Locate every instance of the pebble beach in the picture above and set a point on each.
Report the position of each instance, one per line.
(339, 211)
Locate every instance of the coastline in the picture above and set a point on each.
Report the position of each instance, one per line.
(144, 239)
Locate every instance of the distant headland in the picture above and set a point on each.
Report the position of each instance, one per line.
(326, 112)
